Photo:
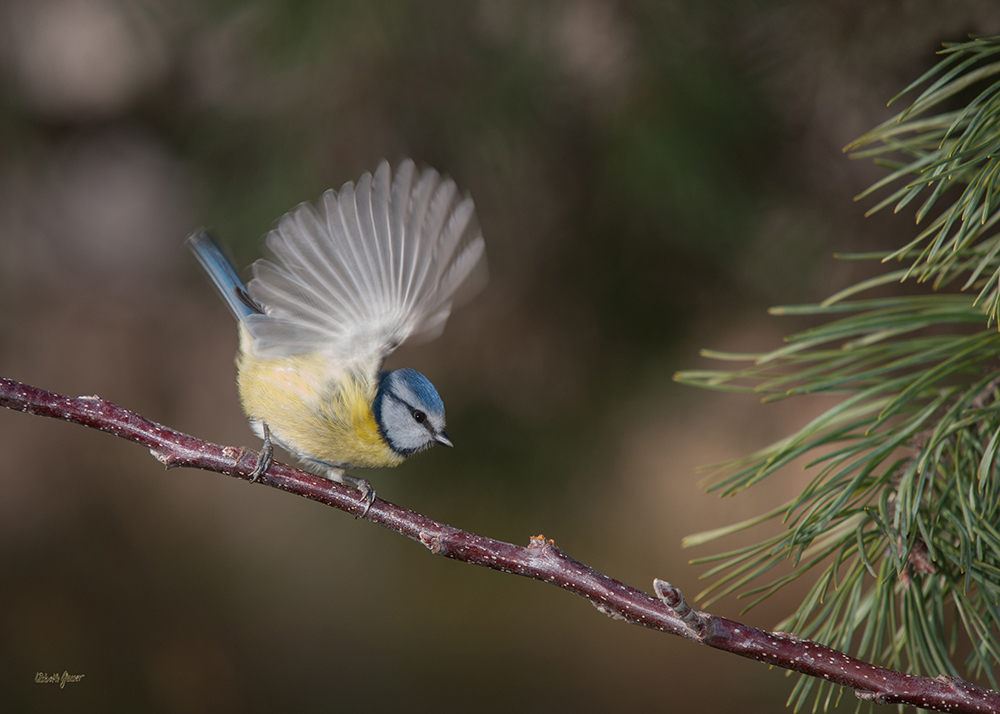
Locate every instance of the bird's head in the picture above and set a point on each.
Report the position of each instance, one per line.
(409, 412)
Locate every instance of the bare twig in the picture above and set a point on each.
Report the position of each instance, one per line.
(541, 560)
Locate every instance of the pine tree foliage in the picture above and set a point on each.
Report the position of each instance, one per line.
(899, 521)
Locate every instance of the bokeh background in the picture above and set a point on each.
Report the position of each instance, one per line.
(649, 176)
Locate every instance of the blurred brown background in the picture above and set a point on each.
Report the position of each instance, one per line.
(649, 176)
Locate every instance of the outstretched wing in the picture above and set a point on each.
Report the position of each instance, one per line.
(366, 268)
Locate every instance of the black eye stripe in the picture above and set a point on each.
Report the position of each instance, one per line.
(419, 415)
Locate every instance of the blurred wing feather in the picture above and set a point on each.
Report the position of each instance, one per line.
(367, 268)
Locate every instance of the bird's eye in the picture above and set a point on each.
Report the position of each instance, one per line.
(419, 416)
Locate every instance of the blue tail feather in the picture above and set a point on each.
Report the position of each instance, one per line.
(223, 275)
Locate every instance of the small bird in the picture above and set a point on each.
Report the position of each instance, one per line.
(367, 268)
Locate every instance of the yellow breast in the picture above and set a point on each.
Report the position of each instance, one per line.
(315, 411)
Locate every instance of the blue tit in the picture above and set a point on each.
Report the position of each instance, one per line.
(367, 268)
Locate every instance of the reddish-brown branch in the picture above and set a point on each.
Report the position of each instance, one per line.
(541, 560)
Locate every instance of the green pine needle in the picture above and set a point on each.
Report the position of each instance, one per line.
(899, 522)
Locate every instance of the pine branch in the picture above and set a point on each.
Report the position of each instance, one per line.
(897, 523)
(940, 155)
(540, 560)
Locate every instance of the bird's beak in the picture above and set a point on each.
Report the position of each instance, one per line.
(442, 438)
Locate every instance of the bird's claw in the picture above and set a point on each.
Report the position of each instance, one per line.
(265, 458)
(366, 490)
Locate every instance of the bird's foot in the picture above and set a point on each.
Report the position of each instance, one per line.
(359, 483)
(266, 456)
